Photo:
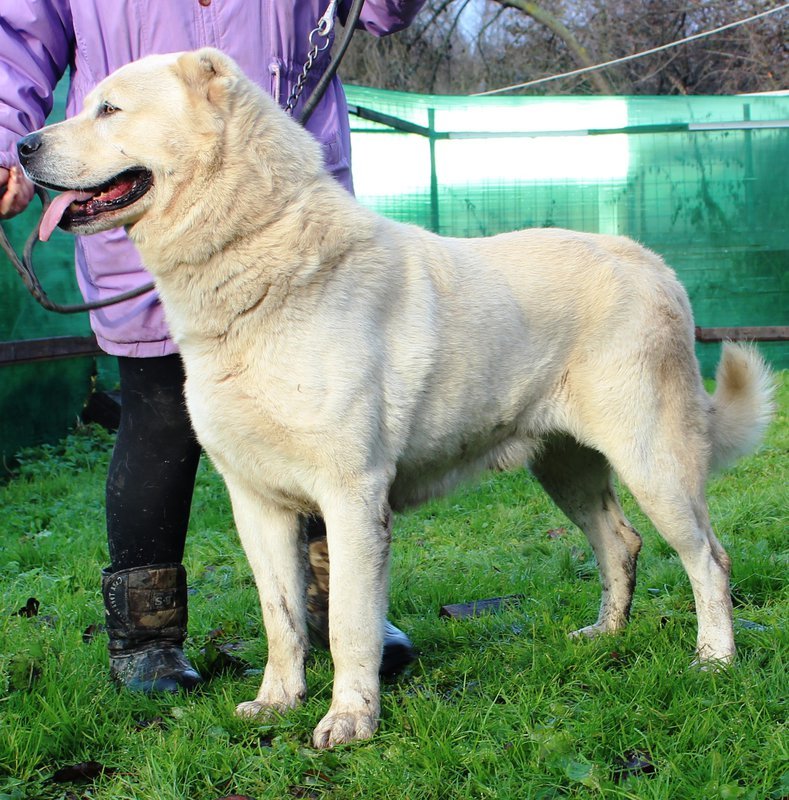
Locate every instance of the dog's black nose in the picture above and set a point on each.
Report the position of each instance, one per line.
(28, 145)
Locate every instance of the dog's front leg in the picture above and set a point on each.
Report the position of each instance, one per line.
(358, 536)
(271, 538)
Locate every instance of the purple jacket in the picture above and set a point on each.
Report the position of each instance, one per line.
(40, 39)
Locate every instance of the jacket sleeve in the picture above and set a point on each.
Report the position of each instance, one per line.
(382, 17)
(36, 42)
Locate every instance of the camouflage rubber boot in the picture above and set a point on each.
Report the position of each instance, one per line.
(146, 618)
(398, 651)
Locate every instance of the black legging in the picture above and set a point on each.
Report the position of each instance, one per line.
(152, 471)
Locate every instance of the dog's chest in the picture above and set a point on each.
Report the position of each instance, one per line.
(237, 424)
(259, 417)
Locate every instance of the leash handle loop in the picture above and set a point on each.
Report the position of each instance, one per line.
(24, 267)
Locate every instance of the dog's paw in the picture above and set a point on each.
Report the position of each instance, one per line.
(589, 632)
(607, 623)
(344, 727)
(262, 710)
(706, 662)
(275, 697)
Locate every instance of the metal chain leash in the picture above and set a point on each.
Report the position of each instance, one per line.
(323, 30)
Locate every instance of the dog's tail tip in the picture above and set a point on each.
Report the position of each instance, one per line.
(742, 405)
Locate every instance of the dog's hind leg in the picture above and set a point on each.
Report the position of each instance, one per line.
(664, 463)
(271, 538)
(578, 479)
(358, 535)
(678, 509)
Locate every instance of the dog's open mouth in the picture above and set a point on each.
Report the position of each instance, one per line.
(74, 208)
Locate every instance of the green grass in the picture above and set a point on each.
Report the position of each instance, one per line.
(503, 706)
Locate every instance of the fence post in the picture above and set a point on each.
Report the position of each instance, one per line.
(431, 128)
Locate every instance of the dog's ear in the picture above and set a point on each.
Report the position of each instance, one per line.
(209, 72)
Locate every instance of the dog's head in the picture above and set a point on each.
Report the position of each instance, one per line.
(144, 132)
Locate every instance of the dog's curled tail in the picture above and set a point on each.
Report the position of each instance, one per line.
(742, 405)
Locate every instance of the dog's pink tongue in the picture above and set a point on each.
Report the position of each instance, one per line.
(57, 208)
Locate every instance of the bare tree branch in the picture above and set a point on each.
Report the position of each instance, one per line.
(557, 27)
(460, 47)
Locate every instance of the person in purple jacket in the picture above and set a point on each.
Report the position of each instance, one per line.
(154, 462)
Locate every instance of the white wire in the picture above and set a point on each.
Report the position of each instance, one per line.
(622, 60)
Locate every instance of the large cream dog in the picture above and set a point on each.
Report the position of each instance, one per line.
(342, 363)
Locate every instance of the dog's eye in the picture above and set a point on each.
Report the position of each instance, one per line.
(107, 108)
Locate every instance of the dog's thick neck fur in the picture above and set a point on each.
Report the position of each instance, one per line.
(230, 218)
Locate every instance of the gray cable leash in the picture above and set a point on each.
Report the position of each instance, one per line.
(24, 267)
(323, 30)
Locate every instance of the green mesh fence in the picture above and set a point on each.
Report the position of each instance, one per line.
(701, 180)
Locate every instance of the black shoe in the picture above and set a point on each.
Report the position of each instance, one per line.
(398, 651)
(157, 668)
(146, 622)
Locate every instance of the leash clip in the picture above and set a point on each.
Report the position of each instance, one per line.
(326, 22)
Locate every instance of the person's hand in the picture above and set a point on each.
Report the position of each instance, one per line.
(16, 192)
